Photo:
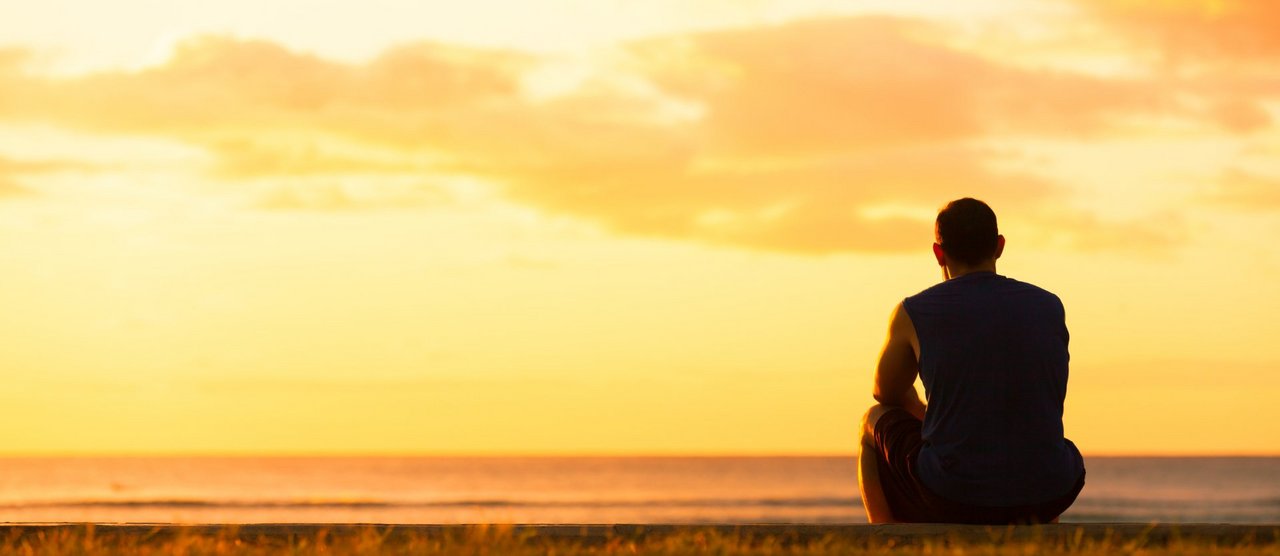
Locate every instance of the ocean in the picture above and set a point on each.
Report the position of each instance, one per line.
(571, 490)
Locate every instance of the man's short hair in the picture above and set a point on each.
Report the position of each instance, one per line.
(966, 230)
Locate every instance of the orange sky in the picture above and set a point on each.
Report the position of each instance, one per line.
(641, 227)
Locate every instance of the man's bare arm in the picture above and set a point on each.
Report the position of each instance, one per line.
(899, 365)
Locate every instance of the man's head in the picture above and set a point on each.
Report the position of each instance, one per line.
(966, 237)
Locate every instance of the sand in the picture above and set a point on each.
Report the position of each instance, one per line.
(897, 534)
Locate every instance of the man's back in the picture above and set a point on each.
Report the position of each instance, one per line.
(993, 360)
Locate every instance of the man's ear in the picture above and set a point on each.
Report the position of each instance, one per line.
(939, 254)
(999, 245)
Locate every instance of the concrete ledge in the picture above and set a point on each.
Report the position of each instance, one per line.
(869, 535)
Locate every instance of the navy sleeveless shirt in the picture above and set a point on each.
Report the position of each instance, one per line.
(993, 360)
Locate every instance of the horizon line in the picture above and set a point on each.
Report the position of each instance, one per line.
(554, 455)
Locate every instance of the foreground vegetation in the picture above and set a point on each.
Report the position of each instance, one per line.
(482, 539)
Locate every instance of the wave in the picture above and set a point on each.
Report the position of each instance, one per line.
(463, 503)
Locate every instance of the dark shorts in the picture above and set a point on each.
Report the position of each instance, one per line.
(898, 443)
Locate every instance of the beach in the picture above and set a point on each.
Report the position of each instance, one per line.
(818, 490)
(642, 505)
(1095, 538)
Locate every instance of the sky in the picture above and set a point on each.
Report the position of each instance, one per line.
(616, 226)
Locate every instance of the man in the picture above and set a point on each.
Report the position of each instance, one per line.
(992, 354)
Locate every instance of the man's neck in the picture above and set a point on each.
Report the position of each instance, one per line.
(956, 272)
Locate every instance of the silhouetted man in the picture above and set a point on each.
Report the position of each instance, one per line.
(992, 354)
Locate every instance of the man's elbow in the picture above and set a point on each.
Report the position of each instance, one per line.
(885, 399)
(896, 397)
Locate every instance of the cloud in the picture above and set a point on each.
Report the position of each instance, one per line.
(1221, 52)
(1155, 233)
(11, 166)
(328, 195)
(238, 158)
(10, 190)
(820, 136)
(871, 82)
(807, 205)
(1245, 190)
(1234, 31)
(214, 86)
(1240, 115)
(14, 168)
(807, 128)
(12, 59)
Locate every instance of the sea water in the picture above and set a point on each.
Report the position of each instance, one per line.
(571, 490)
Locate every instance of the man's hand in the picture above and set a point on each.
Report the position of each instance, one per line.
(915, 406)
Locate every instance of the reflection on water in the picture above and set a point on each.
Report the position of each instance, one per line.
(572, 490)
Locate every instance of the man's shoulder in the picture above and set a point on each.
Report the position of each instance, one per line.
(908, 303)
(993, 284)
(1032, 289)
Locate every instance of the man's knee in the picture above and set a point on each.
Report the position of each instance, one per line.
(869, 422)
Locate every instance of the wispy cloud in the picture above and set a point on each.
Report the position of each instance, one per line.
(243, 157)
(9, 189)
(1154, 234)
(798, 135)
(13, 166)
(1219, 53)
(213, 85)
(874, 82)
(1234, 31)
(326, 194)
(13, 170)
(808, 126)
(1245, 190)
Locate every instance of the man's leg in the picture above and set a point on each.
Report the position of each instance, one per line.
(868, 470)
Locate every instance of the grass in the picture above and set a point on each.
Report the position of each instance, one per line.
(504, 540)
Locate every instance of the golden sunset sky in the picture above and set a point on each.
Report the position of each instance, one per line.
(616, 226)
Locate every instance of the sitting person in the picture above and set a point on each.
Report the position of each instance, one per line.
(992, 354)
